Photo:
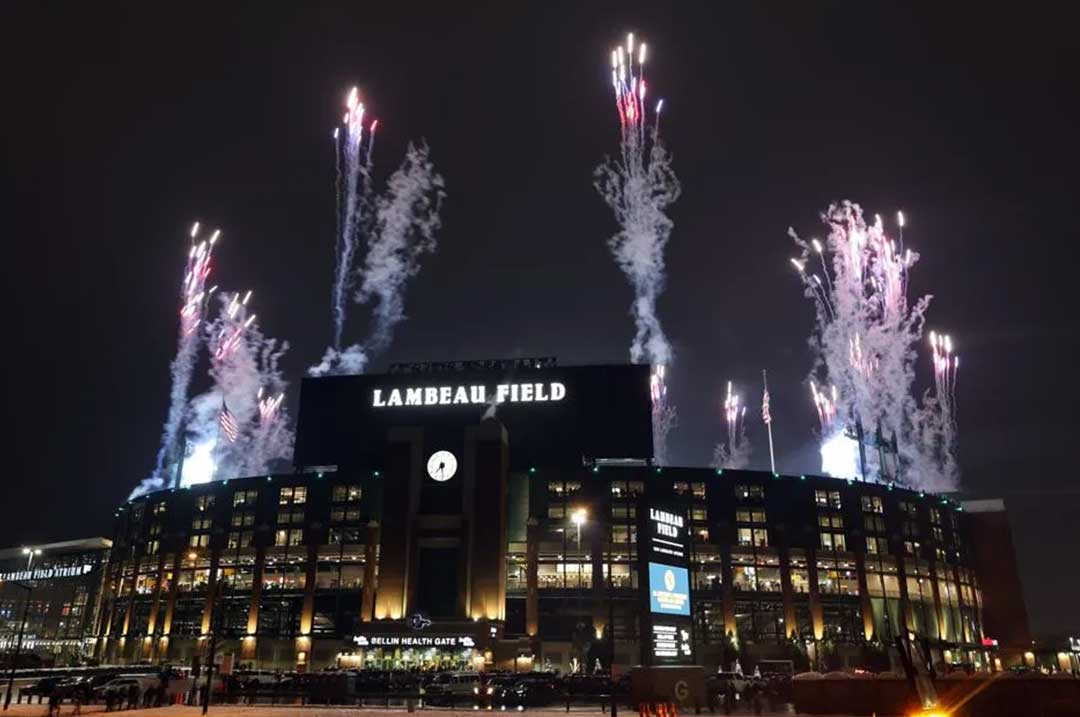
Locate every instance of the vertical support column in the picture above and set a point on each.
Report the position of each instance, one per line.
(532, 581)
(211, 591)
(371, 567)
(939, 605)
(817, 614)
(170, 605)
(256, 591)
(401, 496)
(864, 596)
(131, 596)
(905, 600)
(727, 590)
(487, 462)
(791, 627)
(155, 608)
(307, 611)
(963, 632)
(599, 532)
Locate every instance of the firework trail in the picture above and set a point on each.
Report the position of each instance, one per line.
(353, 161)
(825, 403)
(247, 383)
(736, 452)
(865, 339)
(638, 185)
(407, 218)
(194, 297)
(663, 415)
(400, 225)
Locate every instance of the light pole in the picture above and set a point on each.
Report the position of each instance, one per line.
(29, 553)
(578, 518)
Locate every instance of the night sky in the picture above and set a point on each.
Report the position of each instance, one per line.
(123, 124)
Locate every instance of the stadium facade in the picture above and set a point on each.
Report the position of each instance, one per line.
(496, 514)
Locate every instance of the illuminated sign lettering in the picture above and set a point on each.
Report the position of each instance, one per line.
(413, 641)
(468, 395)
(48, 573)
(670, 642)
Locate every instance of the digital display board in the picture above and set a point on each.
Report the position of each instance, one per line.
(669, 590)
(665, 558)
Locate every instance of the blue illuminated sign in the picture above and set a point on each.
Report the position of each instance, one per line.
(669, 590)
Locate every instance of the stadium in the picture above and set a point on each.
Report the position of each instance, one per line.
(508, 515)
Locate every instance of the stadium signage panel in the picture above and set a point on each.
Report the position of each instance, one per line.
(413, 641)
(468, 394)
(52, 573)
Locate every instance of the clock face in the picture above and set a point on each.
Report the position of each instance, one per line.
(442, 466)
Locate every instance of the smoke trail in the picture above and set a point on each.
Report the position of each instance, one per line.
(865, 338)
(407, 217)
(638, 186)
(194, 297)
(735, 453)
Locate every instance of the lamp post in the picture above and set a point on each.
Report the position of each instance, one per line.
(29, 553)
(578, 518)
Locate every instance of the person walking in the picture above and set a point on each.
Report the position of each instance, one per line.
(54, 702)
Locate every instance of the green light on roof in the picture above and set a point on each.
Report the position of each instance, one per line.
(802, 477)
(375, 473)
(319, 474)
(659, 470)
(532, 470)
(269, 478)
(719, 471)
(596, 469)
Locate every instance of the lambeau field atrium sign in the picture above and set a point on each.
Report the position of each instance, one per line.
(468, 394)
(664, 558)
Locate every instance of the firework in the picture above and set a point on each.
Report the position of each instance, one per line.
(736, 452)
(353, 161)
(663, 414)
(194, 298)
(638, 185)
(866, 333)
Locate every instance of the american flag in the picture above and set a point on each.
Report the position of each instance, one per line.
(765, 407)
(228, 423)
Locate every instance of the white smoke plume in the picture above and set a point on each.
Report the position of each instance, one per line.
(639, 186)
(407, 217)
(865, 344)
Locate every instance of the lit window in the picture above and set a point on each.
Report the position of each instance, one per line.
(830, 520)
(833, 541)
(872, 504)
(827, 498)
(159, 508)
(752, 491)
(204, 503)
(680, 487)
(698, 489)
(245, 497)
(292, 495)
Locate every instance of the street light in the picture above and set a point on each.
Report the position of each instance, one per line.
(578, 518)
(29, 553)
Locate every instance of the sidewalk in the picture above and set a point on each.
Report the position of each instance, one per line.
(314, 711)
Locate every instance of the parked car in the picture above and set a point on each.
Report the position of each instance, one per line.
(453, 687)
(530, 690)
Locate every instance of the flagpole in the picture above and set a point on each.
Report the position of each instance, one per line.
(768, 420)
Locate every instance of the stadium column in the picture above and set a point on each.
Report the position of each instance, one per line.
(307, 611)
(130, 607)
(401, 494)
(170, 606)
(211, 592)
(727, 593)
(597, 532)
(906, 621)
(247, 648)
(371, 566)
(817, 615)
(487, 450)
(155, 608)
(109, 596)
(864, 596)
(532, 582)
(791, 628)
(939, 604)
(963, 634)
